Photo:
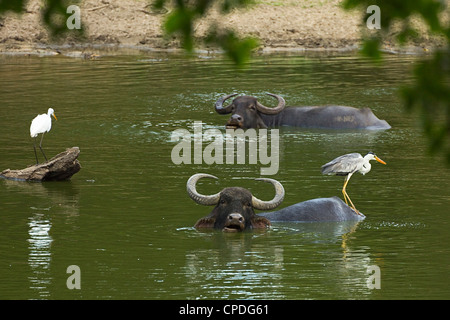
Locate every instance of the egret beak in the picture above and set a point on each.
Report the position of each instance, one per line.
(379, 160)
(54, 116)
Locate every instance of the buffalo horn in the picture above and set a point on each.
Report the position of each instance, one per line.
(197, 197)
(219, 104)
(263, 109)
(275, 202)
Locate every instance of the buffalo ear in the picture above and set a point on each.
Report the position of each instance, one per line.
(205, 223)
(260, 223)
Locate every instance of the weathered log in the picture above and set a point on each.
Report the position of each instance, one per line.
(61, 167)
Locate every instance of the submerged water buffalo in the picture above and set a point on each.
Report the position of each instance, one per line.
(321, 209)
(247, 112)
(234, 208)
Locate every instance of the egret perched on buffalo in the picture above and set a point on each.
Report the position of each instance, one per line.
(41, 123)
(347, 165)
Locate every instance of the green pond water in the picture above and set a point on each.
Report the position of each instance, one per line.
(126, 221)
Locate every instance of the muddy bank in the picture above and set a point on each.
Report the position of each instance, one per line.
(280, 25)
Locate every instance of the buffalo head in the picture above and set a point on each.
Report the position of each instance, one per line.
(245, 111)
(234, 207)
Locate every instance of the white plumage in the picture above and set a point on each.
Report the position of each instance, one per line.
(41, 123)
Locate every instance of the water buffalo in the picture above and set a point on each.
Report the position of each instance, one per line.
(234, 207)
(315, 210)
(247, 112)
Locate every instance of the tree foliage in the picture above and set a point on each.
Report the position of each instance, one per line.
(429, 95)
(180, 21)
(54, 13)
(17, 6)
(185, 13)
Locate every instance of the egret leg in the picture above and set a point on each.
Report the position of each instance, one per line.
(345, 197)
(343, 192)
(346, 194)
(35, 153)
(40, 147)
(353, 206)
(345, 185)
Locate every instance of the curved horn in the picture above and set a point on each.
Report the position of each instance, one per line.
(275, 202)
(197, 197)
(219, 104)
(277, 109)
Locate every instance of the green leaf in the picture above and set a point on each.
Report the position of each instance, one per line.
(228, 5)
(17, 6)
(180, 21)
(238, 50)
(371, 49)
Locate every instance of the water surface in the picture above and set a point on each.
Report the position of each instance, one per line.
(125, 219)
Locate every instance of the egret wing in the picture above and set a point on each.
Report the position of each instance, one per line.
(42, 123)
(343, 165)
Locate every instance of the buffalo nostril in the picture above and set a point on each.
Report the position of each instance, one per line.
(236, 217)
(236, 117)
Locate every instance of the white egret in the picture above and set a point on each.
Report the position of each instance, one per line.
(347, 165)
(41, 123)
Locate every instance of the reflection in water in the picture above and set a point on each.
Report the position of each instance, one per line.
(114, 207)
(39, 256)
(45, 199)
(239, 269)
(63, 195)
(241, 266)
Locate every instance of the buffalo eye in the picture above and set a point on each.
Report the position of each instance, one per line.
(252, 107)
(222, 201)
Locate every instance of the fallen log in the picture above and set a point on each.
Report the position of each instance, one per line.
(61, 167)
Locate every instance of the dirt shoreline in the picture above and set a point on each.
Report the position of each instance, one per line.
(280, 26)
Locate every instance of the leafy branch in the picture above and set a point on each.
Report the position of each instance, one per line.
(185, 13)
(429, 95)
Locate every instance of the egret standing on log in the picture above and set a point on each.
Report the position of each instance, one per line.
(347, 165)
(41, 124)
